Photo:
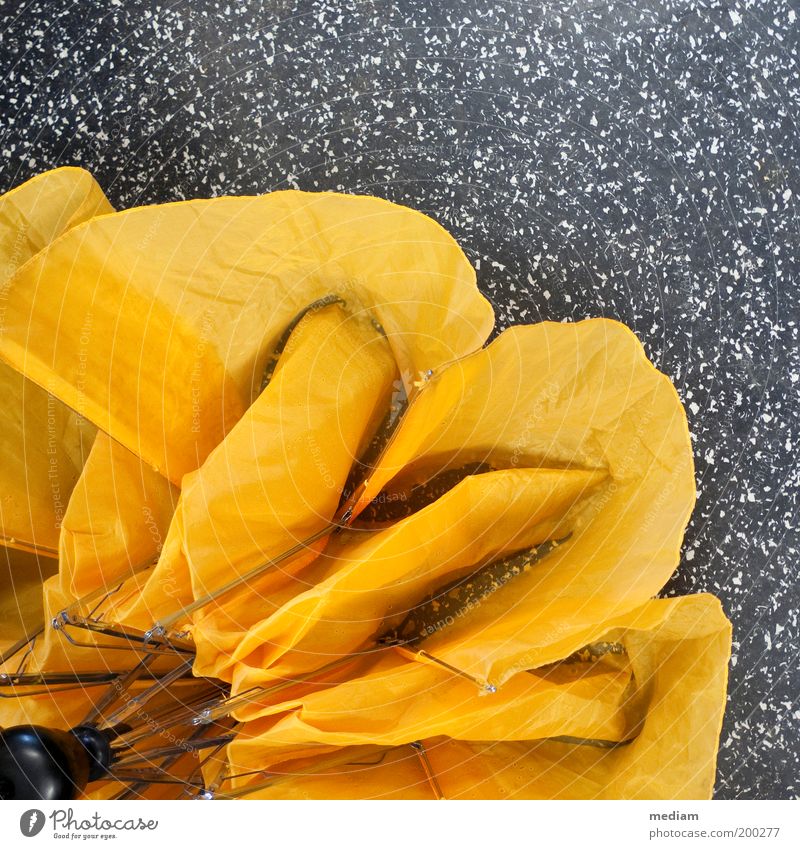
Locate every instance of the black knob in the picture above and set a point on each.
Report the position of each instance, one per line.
(42, 763)
(97, 744)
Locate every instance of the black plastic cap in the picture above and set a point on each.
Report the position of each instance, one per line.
(42, 763)
(98, 746)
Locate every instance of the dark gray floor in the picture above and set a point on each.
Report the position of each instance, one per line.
(639, 162)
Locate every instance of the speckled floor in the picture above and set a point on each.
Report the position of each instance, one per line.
(638, 162)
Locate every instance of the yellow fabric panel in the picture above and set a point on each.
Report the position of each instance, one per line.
(40, 210)
(21, 577)
(43, 446)
(63, 710)
(277, 477)
(42, 442)
(116, 521)
(365, 583)
(678, 651)
(401, 703)
(376, 691)
(579, 397)
(389, 774)
(117, 516)
(151, 595)
(191, 296)
(556, 395)
(681, 660)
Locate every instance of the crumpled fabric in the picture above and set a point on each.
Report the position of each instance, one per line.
(186, 299)
(676, 651)
(151, 328)
(44, 443)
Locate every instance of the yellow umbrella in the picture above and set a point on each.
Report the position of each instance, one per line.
(323, 533)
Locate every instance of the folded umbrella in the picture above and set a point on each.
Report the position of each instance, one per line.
(322, 534)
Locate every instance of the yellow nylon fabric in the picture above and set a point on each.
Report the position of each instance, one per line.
(365, 583)
(677, 652)
(278, 475)
(101, 517)
(42, 442)
(117, 519)
(124, 294)
(393, 703)
(580, 395)
(21, 577)
(191, 296)
(373, 774)
(592, 438)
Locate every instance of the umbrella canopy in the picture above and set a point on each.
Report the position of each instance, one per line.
(411, 565)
